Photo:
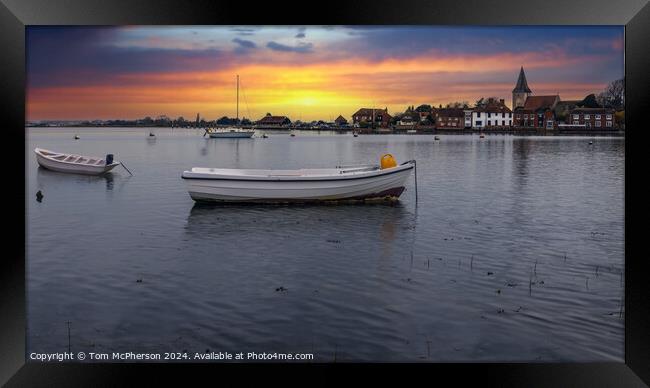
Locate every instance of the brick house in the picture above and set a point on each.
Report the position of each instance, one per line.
(341, 121)
(596, 118)
(450, 118)
(274, 121)
(381, 117)
(538, 112)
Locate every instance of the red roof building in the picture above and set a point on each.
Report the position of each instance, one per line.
(274, 121)
(450, 118)
(381, 117)
(537, 112)
(592, 118)
(341, 121)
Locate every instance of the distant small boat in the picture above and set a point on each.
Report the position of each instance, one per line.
(151, 134)
(76, 137)
(293, 135)
(347, 184)
(482, 135)
(264, 136)
(76, 164)
(355, 134)
(436, 138)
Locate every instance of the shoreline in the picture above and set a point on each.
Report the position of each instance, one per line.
(428, 131)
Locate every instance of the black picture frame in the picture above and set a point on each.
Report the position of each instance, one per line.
(16, 14)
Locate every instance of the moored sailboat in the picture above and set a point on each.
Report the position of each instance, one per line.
(236, 132)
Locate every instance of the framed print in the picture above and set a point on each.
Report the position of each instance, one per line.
(437, 186)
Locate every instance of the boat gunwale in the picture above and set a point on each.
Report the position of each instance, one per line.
(259, 178)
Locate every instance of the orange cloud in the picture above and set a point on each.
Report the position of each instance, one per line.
(319, 90)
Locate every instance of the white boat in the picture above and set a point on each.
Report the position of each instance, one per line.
(76, 164)
(362, 183)
(233, 132)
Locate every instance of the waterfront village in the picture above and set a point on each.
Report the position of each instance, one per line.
(530, 114)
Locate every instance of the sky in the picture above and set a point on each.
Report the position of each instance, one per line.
(304, 72)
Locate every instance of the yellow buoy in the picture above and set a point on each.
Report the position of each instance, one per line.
(388, 161)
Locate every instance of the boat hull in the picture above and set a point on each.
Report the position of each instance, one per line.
(232, 135)
(73, 168)
(385, 187)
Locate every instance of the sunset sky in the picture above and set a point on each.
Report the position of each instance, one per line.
(306, 73)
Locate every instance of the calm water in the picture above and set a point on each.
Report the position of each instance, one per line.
(514, 251)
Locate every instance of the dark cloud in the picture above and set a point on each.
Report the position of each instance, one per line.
(84, 56)
(243, 30)
(403, 42)
(248, 44)
(300, 48)
(301, 33)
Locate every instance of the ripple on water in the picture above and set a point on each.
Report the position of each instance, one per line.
(515, 249)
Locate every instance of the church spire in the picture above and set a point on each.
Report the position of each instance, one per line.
(522, 84)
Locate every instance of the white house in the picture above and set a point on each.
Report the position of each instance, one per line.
(493, 115)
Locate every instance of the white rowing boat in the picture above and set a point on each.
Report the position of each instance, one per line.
(362, 183)
(76, 164)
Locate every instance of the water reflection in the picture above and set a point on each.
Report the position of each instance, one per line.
(109, 180)
(45, 177)
(307, 226)
(521, 151)
(503, 205)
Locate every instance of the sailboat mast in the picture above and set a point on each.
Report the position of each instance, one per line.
(237, 98)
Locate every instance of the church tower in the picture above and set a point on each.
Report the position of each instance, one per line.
(521, 90)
